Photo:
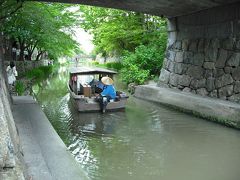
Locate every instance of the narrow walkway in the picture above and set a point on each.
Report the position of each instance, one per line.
(221, 111)
(45, 154)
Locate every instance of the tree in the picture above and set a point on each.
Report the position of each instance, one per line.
(139, 39)
(42, 26)
(9, 7)
(115, 31)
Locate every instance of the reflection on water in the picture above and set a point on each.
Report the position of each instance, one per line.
(144, 142)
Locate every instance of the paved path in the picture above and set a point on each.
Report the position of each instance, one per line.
(45, 154)
(221, 111)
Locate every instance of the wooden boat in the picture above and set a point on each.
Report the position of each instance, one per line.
(83, 95)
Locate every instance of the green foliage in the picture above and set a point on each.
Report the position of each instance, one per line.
(95, 63)
(110, 65)
(134, 74)
(114, 65)
(39, 73)
(140, 39)
(35, 74)
(46, 69)
(115, 31)
(146, 57)
(19, 87)
(45, 27)
(9, 7)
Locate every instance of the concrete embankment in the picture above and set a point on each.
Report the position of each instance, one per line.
(217, 110)
(45, 154)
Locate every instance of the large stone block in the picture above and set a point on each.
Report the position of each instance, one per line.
(210, 83)
(184, 80)
(196, 84)
(171, 66)
(214, 94)
(186, 89)
(180, 68)
(193, 45)
(208, 73)
(178, 45)
(164, 76)
(222, 58)
(179, 56)
(233, 60)
(238, 45)
(202, 92)
(174, 79)
(180, 87)
(228, 43)
(214, 43)
(201, 45)
(211, 54)
(218, 72)
(209, 65)
(237, 87)
(206, 44)
(236, 73)
(195, 72)
(234, 98)
(185, 44)
(225, 91)
(165, 63)
(228, 70)
(170, 55)
(188, 57)
(198, 59)
(224, 80)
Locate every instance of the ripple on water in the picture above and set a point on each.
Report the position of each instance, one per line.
(147, 141)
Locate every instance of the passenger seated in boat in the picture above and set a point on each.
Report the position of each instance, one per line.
(97, 86)
(108, 92)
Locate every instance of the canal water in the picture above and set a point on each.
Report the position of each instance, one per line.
(146, 141)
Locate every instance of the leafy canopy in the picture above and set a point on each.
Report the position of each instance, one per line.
(45, 26)
(139, 39)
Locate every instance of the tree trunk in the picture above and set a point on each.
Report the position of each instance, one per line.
(29, 57)
(22, 48)
(21, 55)
(39, 55)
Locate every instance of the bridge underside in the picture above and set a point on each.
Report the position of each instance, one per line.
(167, 8)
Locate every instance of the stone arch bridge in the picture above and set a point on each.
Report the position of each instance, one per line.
(203, 52)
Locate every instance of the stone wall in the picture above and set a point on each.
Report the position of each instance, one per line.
(23, 66)
(10, 150)
(203, 54)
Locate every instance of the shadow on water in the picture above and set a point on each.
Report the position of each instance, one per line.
(94, 124)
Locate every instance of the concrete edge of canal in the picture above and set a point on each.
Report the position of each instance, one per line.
(220, 111)
(45, 154)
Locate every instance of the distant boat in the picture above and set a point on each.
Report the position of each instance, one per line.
(83, 95)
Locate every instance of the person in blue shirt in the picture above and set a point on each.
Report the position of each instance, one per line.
(108, 88)
(108, 92)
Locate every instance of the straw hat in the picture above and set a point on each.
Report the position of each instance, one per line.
(107, 80)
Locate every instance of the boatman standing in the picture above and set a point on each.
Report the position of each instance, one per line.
(108, 92)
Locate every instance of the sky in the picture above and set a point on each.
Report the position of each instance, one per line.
(84, 39)
(81, 36)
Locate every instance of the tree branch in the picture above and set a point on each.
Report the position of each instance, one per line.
(10, 13)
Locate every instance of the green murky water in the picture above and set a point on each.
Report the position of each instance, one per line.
(146, 141)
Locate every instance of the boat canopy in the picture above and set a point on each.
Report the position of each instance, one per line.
(90, 71)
